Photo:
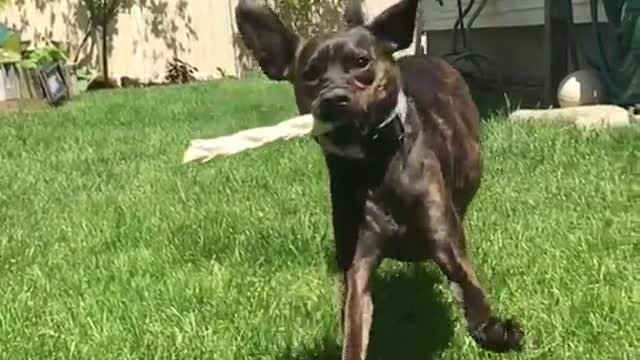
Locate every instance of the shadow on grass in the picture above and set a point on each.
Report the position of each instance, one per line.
(411, 320)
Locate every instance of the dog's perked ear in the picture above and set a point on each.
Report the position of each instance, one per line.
(353, 14)
(395, 26)
(272, 43)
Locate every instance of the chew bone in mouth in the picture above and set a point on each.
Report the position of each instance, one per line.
(204, 150)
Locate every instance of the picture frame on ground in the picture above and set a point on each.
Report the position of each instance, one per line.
(53, 83)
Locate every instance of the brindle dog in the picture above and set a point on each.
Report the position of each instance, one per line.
(402, 148)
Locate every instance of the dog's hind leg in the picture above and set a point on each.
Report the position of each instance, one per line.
(440, 223)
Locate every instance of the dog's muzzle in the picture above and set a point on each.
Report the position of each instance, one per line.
(333, 105)
(330, 109)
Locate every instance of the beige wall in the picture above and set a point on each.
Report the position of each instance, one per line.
(147, 34)
(374, 7)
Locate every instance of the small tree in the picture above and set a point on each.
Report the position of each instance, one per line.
(101, 15)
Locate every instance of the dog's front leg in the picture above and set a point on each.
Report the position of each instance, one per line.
(358, 255)
(489, 331)
(358, 303)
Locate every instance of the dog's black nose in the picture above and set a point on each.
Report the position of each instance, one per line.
(333, 104)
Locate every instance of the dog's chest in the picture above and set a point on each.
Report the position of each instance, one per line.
(390, 217)
(391, 208)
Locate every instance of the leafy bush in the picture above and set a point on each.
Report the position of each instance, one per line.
(4, 3)
(34, 59)
(83, 78)
(311, 17)
(179, 71)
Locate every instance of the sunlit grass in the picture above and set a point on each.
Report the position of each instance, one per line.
(110, 248)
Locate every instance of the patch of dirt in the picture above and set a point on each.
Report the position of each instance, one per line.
(23, 106)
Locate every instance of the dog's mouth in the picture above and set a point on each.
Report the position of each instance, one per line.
(361, 130)
(332, 109)
(325, 128)
(338, 118)
(337, 123)
(346, 127)
(321, 128)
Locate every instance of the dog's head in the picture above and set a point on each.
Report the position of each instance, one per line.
(347, 79)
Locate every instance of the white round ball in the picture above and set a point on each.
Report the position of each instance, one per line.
(582, 87)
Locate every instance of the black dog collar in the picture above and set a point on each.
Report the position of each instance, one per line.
(393, 125)
(380, 141)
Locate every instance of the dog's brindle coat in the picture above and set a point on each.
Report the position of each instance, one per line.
(402, 150)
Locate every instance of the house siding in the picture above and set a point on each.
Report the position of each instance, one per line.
(500, 13)
(144, 36)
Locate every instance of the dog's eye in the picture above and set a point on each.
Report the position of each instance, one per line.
(362, 61)
(311, 73)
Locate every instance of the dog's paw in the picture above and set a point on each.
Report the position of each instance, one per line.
(500, 336)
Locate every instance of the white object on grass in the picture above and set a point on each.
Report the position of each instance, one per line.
(589, 117)
(206, 149)
(579, 88)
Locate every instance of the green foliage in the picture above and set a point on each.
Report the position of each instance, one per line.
(102, 12)
(83, 76)
(179, 71)
(42, 56)
(311, 17)
(84, 73)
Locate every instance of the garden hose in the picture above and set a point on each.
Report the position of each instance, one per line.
(455, 56)
(460, 24)
(622, 78)
(476, 13)
(597, 33)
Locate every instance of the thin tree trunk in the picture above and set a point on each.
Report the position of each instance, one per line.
(105, 55)
(83, 44)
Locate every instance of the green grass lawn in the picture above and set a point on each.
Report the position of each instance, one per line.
(110, 248)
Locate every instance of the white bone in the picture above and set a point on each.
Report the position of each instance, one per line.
(206, 149)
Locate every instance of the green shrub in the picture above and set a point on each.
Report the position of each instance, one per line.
(42, 56)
